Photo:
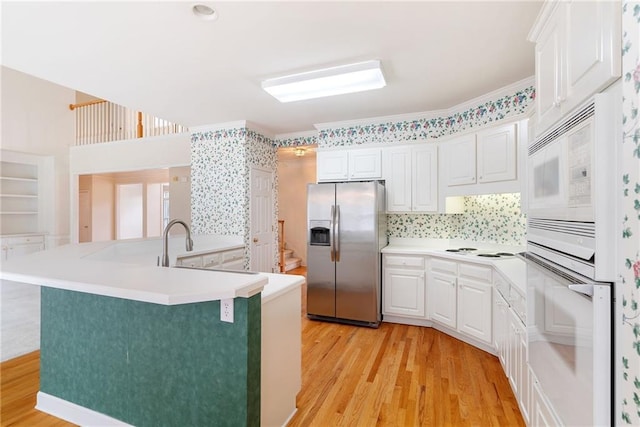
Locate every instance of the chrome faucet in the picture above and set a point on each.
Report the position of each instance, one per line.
(165, 240)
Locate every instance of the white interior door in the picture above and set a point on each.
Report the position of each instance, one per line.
(84, 205)
(261, 214)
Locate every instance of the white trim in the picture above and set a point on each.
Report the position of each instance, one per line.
(548, 8)
(217, 126)
(292, 135)
(73, 413)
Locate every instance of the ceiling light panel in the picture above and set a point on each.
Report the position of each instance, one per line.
(326, 82)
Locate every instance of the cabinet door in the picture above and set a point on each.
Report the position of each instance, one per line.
(397, 174)
(474, 309)
(542, 415)
(548, 57)
(442, 299)
(525, 388)
(593, 48)
(404, 292)
(460, 160)
(501, 329)
(332, 165)
(514, 354)
(497, 154)
(424, 193)
(365, 164)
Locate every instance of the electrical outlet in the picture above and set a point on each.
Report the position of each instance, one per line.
(226, 310)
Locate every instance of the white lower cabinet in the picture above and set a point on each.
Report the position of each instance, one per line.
(541, 413)
(225, 259)
(18, 245)
(443, 291)
(501, 328)
(510, 341)
(474, 301)
(460, 297)
(404, 286)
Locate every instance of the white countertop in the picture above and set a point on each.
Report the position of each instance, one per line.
(512, 269)
(127, 269)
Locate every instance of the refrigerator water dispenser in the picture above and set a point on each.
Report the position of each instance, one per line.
(319, 233)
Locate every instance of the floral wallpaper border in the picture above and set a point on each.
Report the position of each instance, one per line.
(421, 129)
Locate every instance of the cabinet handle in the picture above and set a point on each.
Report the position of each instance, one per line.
(453, 283)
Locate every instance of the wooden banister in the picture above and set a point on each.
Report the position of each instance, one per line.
(85, 104)
(140, 132)
(281, 244)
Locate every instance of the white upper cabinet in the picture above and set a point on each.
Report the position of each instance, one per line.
(496, 155)
(459, 160)
(485, 157)
(577, 54)
(411, 175)
(345, 165)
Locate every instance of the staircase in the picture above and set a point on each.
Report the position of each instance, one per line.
(287, 260)
(290, 262)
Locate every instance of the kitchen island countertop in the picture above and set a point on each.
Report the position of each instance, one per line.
(128, 270)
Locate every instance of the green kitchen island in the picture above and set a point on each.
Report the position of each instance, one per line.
(128, 344)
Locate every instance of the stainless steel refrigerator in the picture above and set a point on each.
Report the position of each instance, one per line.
(347, 228)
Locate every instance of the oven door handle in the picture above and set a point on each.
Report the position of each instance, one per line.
(582, 289)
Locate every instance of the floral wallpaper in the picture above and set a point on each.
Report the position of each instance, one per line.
(494, 218)
(628, 327)
(221, 162)
(421, 129)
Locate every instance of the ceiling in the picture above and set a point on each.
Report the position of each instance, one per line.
(158, 57)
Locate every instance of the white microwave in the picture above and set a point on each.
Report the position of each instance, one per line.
(571, 175)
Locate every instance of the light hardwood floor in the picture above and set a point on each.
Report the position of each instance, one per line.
(396, 375)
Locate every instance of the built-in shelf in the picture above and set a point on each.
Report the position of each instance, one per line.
(21, 194)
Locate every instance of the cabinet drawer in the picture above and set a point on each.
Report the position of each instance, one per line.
(404, 261)
(234, 255)
(477, 272)
(193, 261)
(22, 240)
(210, 260)
(446, 266)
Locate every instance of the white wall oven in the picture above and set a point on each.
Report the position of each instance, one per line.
(570, 342)
(571, 229)
(571, 188)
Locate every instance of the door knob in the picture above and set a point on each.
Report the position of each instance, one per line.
(255, 240)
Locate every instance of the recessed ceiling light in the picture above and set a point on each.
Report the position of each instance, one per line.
(204, 12)
(326, 82)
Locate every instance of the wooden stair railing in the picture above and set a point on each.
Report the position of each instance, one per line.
(103, 121)
(281, 244)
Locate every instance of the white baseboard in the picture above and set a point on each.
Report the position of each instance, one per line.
(73, 413)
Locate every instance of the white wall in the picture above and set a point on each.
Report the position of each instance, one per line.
(102, 209)
(293, 176)
(135, 157)
(36, 119)
(180, 196)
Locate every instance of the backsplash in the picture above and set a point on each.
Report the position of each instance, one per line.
(494, 218)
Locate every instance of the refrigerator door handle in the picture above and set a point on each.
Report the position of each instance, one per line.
(332, 237)
(337, 231)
